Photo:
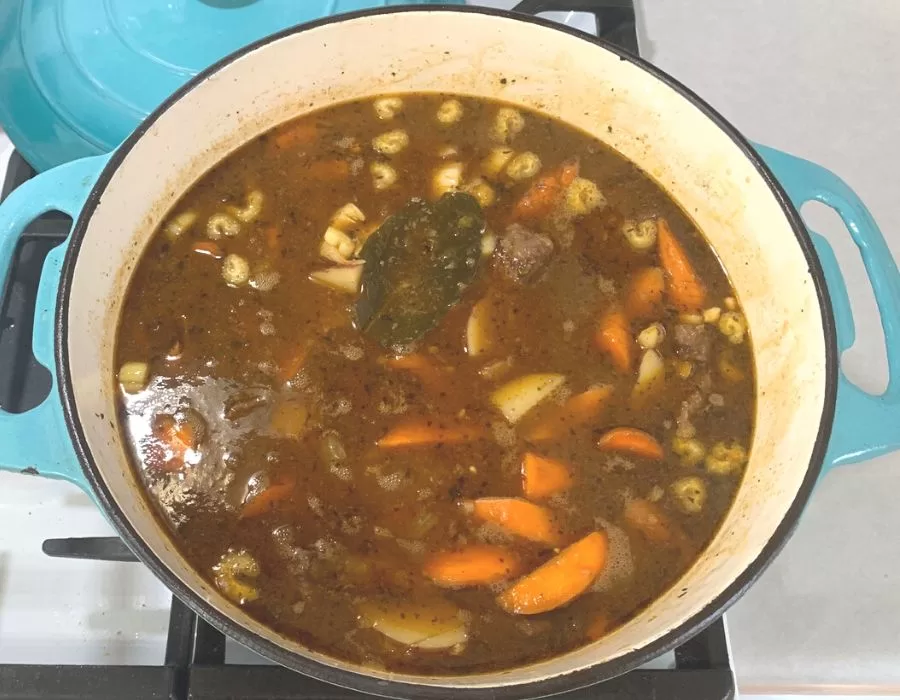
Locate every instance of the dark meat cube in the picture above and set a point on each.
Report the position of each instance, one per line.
(692, 342)
(521, 254)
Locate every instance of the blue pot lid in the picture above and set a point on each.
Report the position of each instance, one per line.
(77, 77)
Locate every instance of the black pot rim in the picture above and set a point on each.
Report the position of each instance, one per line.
(359, 681)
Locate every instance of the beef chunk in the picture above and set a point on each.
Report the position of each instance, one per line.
(521, 254)
(692, 342)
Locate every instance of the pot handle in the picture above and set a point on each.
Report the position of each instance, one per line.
(37, 441)
(615, 18)
(865, 425)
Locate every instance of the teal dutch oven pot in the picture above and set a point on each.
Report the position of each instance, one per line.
(77, 76)
(744, 197)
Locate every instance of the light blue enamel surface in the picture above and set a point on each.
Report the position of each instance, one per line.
(865, 425)
(38, 438)
(79, 75)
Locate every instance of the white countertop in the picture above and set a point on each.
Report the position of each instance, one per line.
(820, 82)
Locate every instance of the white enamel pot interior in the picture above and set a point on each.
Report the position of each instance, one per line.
(694, 155)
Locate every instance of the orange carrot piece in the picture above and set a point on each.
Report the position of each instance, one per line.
(540, 198)
(543, 477)
(476, 565)
(292, 135)
(645, 293)
(560, 580)
(329, 170)
(209, 248)
(266, 500)
(518, 517)
(577, 410)
(614, 338)
(273, 238)
(427, 372)
(685, 289)
(429, 433)
(647, 518)
(598, 627)
(292, 362)
(631, 440)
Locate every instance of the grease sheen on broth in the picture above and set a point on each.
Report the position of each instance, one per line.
(522, 430)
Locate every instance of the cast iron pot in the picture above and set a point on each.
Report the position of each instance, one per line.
(744, 198)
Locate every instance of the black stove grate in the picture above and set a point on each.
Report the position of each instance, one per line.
(194, 667)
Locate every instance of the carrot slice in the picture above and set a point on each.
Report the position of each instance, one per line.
(518, 517)
(292, 363)
(266, 500)
(477, 565)
(614, 338)
(429, 433)
(539, 200)
(293, 135)
(685, 289)
(273, 238)
(598, 627)
(560, 580)
(645, 292)
(329, 170)
(425, 370)
(631, 440)
(577, 410)
(543, 477)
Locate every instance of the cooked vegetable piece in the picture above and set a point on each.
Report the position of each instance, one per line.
(267, 499)
(560, 580)
(428, 625)
(614, 339)
(133, 376)
(479, 335)
(418, 263)
(543, 477)
(685, 289)
(425, 369)
(514, 399)
(429, 433)
(344, 278)
(543, 195)
(558, 421)
(650, 381)
(518, 517)
(235, 575)
(475, 565)
(598, 627)
(690, 494)
(648, 519)
(631, 441)
(302, 133)
(725, 457)
(645, 293)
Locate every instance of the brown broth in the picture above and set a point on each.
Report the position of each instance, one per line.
(245, 385)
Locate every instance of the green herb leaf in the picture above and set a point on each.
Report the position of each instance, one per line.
(418, 264)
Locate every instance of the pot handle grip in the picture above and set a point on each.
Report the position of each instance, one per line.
(865, 425)
(37, 441)
(615, 18)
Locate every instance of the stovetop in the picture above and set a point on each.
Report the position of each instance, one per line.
(198, 661)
